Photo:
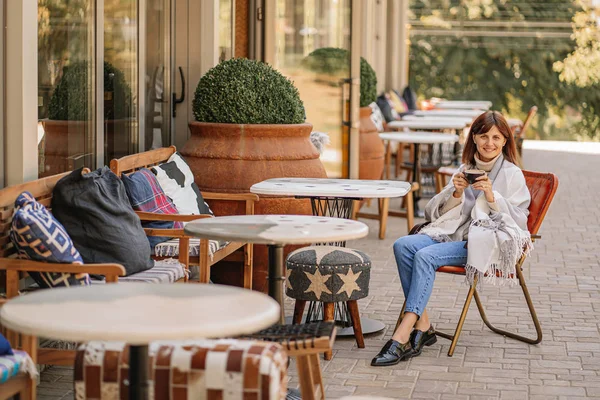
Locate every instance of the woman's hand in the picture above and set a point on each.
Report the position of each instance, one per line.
(460, 184)
(484, 184)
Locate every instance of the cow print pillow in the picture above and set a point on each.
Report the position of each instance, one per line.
(177, 181)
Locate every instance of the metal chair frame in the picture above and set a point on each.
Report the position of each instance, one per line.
(534, 223)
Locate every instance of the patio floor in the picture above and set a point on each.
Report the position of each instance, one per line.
(564, 282)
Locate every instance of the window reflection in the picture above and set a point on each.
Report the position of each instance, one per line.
(66, 135)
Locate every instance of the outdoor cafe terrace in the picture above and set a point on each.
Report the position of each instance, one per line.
(564, 285)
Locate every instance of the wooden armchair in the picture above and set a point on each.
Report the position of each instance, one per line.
(542, 187)
(13, 270)
(205, 258)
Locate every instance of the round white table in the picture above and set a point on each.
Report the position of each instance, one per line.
(331, 197)
(438, 118)
(335, 197)
(277, 231)
(464, 104)
(449, 113)
(416, 138)
(427, 125)
(138, 313)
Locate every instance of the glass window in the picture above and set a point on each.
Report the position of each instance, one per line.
(2, 90)
(120, 78)
(226, 34)
(66, 82)
(303, 27)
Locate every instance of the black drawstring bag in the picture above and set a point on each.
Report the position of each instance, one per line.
(95, 211)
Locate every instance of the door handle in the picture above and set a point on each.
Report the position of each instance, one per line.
(180, 99)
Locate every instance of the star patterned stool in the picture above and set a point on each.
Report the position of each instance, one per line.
(329, 275)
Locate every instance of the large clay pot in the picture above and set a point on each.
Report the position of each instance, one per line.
(229, 158)
(372, 150)
(68, 145)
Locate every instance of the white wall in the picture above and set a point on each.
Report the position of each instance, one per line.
(21, 90)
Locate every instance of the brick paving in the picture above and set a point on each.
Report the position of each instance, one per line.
(563, 278)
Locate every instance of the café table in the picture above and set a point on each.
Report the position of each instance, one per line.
(449, 113)
(464, 104)
(139, 313)
(276, 231)
(416, 138)
(331, 197)
(426, 125)
(336, 198)
(436, 118)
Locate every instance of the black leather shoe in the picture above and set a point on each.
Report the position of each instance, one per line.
(392, 353)
(418, 339)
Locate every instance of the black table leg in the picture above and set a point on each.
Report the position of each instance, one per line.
(138, 373)
(276, 276)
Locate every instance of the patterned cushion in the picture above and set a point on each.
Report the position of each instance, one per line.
(171, 248)
(19, 362)
(206, 369)
(377, 116)
(177, 181)
(164, 271)
(145, 194)
(328, 274)
(38, 236)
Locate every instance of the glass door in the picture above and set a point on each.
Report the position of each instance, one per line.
(66, 85)
(313, 39)
(159, 98)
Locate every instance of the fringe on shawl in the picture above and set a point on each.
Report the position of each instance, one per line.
(510, 252)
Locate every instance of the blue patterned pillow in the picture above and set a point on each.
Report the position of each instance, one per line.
(38, 236)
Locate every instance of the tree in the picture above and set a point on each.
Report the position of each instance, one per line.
(489, 53)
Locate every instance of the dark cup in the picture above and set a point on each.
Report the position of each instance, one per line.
(472, 174)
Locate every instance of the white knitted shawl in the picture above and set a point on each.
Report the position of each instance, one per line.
(496, 240)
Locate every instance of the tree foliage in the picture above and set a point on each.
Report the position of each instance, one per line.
(514, 72)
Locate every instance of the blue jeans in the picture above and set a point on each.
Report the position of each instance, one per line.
(418, 257)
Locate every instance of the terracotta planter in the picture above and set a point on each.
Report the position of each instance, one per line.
(229, 158)
(372, 150)
(68, 145)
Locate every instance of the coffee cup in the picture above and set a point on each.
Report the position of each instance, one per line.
(472, 174)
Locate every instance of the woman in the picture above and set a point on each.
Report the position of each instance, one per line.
(492, 213)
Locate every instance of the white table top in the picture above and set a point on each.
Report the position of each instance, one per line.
(426, 124)
(449, 113)
(464, 104)
(438, 118)
(324, 187)
(277, 229)
(138, 313)
(418, 137)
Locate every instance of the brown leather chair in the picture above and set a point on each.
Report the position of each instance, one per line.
(542, 187)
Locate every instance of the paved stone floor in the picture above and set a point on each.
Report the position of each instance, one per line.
(563, 276)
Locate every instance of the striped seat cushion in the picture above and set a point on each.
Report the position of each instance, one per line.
(170, 248)
(203, 369)
(19, 363)
(164, 271)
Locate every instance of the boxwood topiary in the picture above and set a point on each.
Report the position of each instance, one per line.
(70, 99)
(336, 61)
(242, 91)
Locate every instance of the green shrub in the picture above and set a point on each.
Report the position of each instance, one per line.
(71, 97)
(242, 91)
(335, 62)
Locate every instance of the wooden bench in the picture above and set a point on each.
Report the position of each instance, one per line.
(15, 269)
(205, 260)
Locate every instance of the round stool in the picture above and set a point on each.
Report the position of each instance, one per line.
(329, 274)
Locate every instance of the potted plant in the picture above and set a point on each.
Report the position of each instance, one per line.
(250, 126)
(67, 130)
(330, 65)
